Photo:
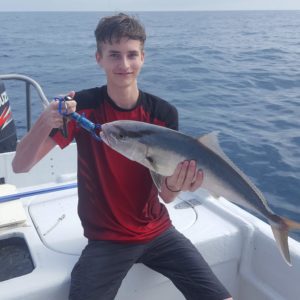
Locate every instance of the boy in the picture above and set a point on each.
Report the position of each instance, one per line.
(117, 201)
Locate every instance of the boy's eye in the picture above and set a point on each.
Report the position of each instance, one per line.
(133, 55)
(114, 55)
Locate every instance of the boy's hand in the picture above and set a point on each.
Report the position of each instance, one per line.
(185, 178)
(51, 114)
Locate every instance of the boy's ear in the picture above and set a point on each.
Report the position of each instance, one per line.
(143, 56)
(98, 57)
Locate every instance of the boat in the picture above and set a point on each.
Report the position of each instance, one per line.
(41, 237)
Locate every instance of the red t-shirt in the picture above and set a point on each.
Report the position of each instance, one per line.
(117, 199)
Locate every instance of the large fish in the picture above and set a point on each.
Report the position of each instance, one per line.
(160, 149)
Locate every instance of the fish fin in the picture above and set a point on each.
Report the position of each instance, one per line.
(157, 179)
(211, 141)
(149, 163)
(281, 236)
(214, 194)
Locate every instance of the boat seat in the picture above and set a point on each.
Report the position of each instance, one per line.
(11, 212)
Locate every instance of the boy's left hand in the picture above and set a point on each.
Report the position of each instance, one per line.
(186, 177)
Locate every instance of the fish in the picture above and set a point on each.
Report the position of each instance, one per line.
(161, 149)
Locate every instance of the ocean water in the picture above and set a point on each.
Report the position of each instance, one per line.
(233, 72)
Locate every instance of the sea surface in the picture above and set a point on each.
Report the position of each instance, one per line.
(237, 73)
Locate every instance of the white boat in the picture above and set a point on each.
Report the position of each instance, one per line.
(39, 208)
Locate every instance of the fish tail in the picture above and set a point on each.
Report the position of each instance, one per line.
(292, 225)
(281, 238)
(280, 230)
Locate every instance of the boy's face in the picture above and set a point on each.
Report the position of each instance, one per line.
(121, 61)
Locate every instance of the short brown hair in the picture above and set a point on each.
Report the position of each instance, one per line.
(113, 28)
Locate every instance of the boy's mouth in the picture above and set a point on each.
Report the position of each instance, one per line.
(124, 73)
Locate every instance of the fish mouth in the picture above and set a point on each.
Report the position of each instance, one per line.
(107, 136)
(104, 137)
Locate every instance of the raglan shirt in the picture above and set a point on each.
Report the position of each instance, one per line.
(117, 199)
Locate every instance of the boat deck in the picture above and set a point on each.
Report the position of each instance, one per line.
(238, 246)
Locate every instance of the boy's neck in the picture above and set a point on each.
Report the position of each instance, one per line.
(124, 97)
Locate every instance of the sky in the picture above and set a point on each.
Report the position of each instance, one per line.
(146, 5)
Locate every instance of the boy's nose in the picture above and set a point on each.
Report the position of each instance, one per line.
(124, 62)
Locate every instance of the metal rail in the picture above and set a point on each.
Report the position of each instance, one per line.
(16, 196)
(28, 82)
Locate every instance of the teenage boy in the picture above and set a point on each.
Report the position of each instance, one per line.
(118, 204)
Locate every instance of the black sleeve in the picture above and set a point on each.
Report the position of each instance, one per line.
(160, 110)
(172, 118)
(87, 99)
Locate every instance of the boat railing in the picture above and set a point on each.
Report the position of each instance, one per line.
(28, 83)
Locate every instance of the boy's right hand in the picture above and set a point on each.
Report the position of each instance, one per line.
(51, 114)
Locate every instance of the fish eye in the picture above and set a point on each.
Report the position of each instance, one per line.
(121, 136)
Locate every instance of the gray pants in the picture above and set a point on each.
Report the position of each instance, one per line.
(103, 264)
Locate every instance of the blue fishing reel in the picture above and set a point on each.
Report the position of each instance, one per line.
(81, 120)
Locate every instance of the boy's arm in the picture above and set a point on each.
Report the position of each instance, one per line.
(37, 143)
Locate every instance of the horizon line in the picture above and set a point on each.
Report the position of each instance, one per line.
(156, 10)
